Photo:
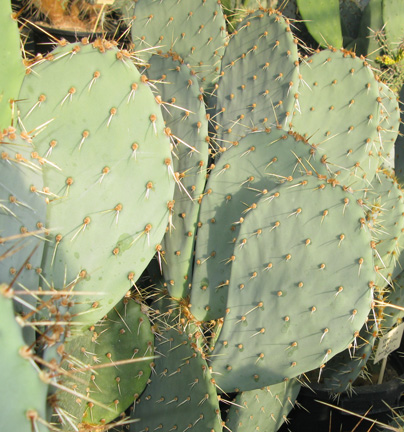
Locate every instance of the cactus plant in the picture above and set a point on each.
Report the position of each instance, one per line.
(249, 189)
(194, 30)
(26, 410)
(323, 21)
(187, 125)
(11, 69)
(112, 362)
(265, 408)
(89, 168)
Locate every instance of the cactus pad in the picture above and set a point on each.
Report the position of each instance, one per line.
(24, 410)
(108, 170)
(338, 112)
(259, 79)
(185, 115)
(182, 392)
(304, 289)
(108, 360)
(194, 29)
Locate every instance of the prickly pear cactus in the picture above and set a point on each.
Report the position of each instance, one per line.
(342, 370)
(187, 125)
(182, 393)
(393, 11)
(111, 362)
(26, 410)
(244, 172)
(107, 170)
(22, 213)
(259, 79)
(263, 409)
(389, 125)
(11, 66)
(303, 242)
(385, 219)
(338, 113)
(395, 296)
(322, 19)
(194, 29)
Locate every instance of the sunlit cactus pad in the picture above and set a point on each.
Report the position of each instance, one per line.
(107, 169)
(300, 285)
(194, 29)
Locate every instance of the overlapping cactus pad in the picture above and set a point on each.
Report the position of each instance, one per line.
(22, 211)
(259, 79)
(27, 408)
(107, 171)
(385, 218)
(187, 125)
(244, 172)
(338, 112)
(263, 409)
(223, 221)
(343, 369)
(182, 393)
(303, 288)
(194, 29)
(108, 366)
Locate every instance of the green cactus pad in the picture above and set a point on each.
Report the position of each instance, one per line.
(263, 409)
(107, 165)
(194, 29)
(23, 394)
(385, 217)
(22, 213)
(393, 12)
(322, 19)
(399, 147)
(185, 115)
(395, 296)
(259, 79)
(181, 393)
(389, 125)
(300, 290)
(367, 43)
(11, 66)
(244, 172)
(338, 112)
(111, 355)
(343, 369)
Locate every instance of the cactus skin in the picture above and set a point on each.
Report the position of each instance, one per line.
(322, 19)
(259, 79)
(188, 128)
(22, 213)
(399, 147)
(343, 90)
(393, 12)
(90, 160)
(394, 296)
(257, 164)
(124, 334)
(194, 29)
(385, 219)
(366, 43)
(182, 392)
(310, 248)
(11, 66)
(18, 372)
(389, 125)
(263, 409)
(343, 369)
